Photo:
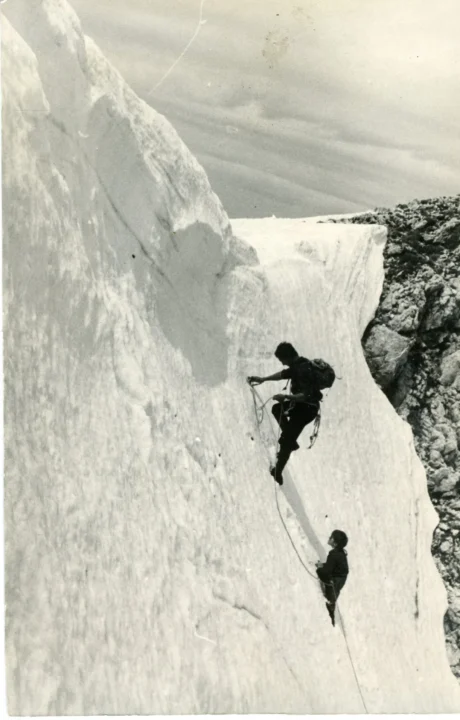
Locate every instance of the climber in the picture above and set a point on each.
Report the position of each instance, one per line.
(333, 573)
(296, 410)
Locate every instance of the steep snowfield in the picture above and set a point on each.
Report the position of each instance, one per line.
(147, 568)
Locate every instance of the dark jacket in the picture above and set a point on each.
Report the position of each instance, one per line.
(302, 380)
(336, 566)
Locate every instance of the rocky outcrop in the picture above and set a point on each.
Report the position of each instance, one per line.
(387, 352)
(413, 350)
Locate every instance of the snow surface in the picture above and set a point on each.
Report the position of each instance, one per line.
(147, 568)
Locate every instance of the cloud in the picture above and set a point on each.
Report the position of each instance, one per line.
(353, 103)
(351, 177)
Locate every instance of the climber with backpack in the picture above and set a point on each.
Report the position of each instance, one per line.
(301, 406)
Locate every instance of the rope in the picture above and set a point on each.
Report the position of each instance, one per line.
(316, 426)
(349, 653)
(259, 412)
(291, 540)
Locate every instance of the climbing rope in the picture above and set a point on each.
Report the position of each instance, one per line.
(259, 408)
(316, 425)
(260, 411)
(348, 651)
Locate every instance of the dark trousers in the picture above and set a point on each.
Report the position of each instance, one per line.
(291, 424)
(331, 592)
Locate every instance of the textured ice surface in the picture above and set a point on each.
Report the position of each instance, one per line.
(147, 569)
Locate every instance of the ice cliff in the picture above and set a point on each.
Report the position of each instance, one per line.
(147, 568)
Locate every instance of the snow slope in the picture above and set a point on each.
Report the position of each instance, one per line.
(147, 568)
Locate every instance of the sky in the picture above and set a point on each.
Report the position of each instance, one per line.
(298, 108)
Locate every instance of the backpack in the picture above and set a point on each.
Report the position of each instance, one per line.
(315, 375)
(312, 376)
(323, 373)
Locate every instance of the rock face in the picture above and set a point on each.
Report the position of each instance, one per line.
(386, 352)
(413, 350)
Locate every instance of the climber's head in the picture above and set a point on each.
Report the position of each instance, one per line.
(286, 353)
(338, 539)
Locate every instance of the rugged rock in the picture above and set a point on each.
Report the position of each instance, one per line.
(420, 303)
(387, 352)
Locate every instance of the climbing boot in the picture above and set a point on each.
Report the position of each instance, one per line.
(277, 476)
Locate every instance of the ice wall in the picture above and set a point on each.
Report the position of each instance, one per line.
(147, 569)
